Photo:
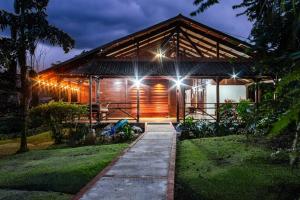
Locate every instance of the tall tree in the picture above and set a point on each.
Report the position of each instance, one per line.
(29, 25)
(276, 38)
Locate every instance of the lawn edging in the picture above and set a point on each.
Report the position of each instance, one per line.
(171, 173)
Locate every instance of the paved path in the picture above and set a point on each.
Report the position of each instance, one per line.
(144, 172)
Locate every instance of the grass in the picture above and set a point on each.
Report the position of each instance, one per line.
(32, 195)
(228, 168)
(11, 146)
(53, 173)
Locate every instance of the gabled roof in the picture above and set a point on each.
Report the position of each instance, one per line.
(191, 39)
(129, 68)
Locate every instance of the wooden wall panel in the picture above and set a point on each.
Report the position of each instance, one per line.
(113, 90)
(153, 98)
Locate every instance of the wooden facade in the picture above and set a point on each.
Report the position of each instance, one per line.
(176, 49)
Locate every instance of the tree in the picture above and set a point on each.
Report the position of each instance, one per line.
(276, 38)
(29, 25)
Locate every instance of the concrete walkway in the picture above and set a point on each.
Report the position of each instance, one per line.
(145, 171)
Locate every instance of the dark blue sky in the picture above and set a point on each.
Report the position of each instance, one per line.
(95, 22)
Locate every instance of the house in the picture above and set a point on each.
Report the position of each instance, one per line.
(175, 68)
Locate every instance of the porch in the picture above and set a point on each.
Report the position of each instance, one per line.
(146, 92)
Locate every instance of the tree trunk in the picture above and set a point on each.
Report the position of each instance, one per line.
(24, 105)
(13, 64)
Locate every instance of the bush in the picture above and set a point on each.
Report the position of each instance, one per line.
(77, 135)
(127, 132)
(188, 128)
(206, 128)
(247, 117)
(229, 123)
(55, 115)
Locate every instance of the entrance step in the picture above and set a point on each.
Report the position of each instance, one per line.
(159, 127)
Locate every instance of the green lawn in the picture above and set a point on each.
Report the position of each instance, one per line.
(55, 171)
(228, 168)
(11, 146)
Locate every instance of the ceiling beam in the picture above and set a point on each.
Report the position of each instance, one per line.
(214, 38)
(191, 49)
(139, 38)
(191, 42)
(209, 51)
(213, 45)
(142, 43)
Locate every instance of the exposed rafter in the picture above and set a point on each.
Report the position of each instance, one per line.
(192, 43)
(177, 36)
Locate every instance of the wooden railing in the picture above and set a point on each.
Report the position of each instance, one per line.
(205, 111)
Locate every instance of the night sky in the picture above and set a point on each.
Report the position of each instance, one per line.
(95, 22)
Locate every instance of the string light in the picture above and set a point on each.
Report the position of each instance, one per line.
(62, 86)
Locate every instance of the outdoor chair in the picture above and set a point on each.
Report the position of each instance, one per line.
(104, 111)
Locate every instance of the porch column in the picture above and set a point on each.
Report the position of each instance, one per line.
(98, 91)
(177, 104)
(184, 104)
(98, 98)
(256, 93)
(138, 103)
(90, 99)
(218, 99)
(79, 91)
(59, 89)
(69, 91)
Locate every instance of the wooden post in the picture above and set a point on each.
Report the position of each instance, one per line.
(177, 105)
(69, 92)
(218, 99)
(59, 88)
(138, 104)
(79, 92)
(98, 89)
(90, 100)
(184, 105)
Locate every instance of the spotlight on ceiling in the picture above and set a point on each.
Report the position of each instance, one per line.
(137, 82)
(178, 83)
(234, 75)
(160, 54)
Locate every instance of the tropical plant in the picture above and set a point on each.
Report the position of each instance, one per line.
(288, 91)
(56, 115)
(206, 128)
(29, 25)
(77, 133)
(128, 132)
(188, 128)
(229, 123)
(247, 116)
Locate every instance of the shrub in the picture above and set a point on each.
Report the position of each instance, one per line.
(55, 115)
(127, 131)
(229, 123)
(247, 117)
(77, 134)
(206, 128)
(188, 128)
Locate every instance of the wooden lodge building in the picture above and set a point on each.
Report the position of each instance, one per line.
(175, 68)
